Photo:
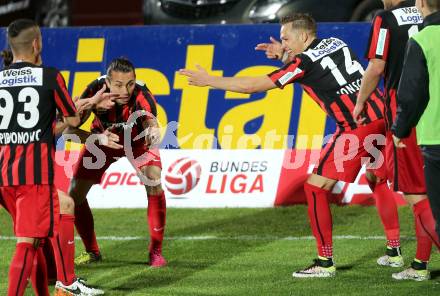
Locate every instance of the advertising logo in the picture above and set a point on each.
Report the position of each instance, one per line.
(236, 177)
(182, 176)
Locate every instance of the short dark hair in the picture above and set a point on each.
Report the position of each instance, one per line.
(18, 26)
(120, 64)
(302, 21)
(21, 34)
(433, 4)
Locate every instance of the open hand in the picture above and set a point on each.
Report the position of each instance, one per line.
(197, 77)
(273, 50)
(110, 140)
(81, 104)
(398, 142)
(359, 113)
(103, 100)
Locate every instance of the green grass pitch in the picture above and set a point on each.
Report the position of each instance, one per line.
(240, 252)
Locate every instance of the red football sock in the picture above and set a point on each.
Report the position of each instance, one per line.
(320, 218)
(85, 227)
(50, 261)
(387, 209)
(425, 230)
(39, 273)
(21, 268)
(64, 250)
(156, 219)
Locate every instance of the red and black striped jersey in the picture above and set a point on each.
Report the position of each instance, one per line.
(118, 117)
(331, 74)
(30, 96)
(389, 34)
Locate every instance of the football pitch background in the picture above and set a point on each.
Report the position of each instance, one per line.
(240, 252)
(228, 251)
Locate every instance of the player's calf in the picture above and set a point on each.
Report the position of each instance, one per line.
(21, 265)
(387, 210)
(67, 205)
(156, 215)
(156, 220)
(84, 221)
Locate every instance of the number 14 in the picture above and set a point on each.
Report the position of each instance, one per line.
(350, 66)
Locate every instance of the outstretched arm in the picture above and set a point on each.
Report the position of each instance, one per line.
(246, 85)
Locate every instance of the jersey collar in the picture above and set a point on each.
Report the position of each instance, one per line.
(313, 44)
(20, 63)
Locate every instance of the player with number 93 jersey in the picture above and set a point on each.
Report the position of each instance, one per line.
(30, 96)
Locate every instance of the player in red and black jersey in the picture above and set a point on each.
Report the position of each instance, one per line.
(390, 32)
(330, 73)
(319, 61)
(31, 94)
(134, 100)
(27, 131)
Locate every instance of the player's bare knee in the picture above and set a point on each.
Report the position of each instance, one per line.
(30, 240)
(412, 199)
(153, 174)
(154, 190)
(321, 182)
(67, 205)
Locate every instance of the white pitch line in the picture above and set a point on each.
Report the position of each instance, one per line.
(232, 238)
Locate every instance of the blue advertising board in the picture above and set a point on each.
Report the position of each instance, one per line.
(201, 118)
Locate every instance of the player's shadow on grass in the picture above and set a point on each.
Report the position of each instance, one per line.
(369, 257)
(365, 258)
(345, 267)
(435, 274)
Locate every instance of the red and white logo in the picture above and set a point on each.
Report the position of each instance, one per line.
(182, 176)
